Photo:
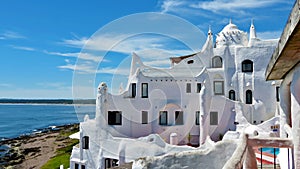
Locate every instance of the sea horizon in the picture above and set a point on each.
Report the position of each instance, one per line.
(26, 119)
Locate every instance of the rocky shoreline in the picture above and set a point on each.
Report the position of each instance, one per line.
(34, 150)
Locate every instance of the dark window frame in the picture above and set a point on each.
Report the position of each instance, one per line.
(76, 166)
(112, 117)
(249, 97)
(231, 95)
(85, 142)
(144, 92)
(188, 88)
(222, 82)
(277, 93)
(133, 90)
(199, 85)
(144, 117)
(160, 118)
(214, 62)
(197, 118)
(190, 62)
(247, 66)
(179, 118)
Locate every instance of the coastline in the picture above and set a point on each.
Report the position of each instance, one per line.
(35, 149)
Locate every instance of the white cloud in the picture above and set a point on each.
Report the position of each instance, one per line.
(115, 43)
(83, 56)
(80, 68)
(23, 48)
(114, 71)
(232, 6)
(269, 35)
(170, 5)
(11, 35)
(216, 6)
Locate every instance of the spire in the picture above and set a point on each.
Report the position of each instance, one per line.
(230, 21)
(209, 41)
(252, 31)
(135, 63)
(209, 30)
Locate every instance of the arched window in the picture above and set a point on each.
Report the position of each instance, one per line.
(247, 66)
(232, 95)
(248, 97)
(217, 62)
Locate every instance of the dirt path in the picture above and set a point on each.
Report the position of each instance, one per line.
(32, 152)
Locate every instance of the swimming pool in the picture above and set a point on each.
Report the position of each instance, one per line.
(270, 150)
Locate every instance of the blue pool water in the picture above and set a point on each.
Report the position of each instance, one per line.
(270, 150)
(18, 119)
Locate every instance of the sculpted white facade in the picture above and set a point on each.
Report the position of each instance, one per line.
(194, 98)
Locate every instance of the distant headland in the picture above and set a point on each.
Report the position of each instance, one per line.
(47, 101)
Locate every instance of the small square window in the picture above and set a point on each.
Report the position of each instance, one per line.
(219, 87)
(114, 117)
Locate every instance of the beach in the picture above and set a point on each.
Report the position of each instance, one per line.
(34, 150)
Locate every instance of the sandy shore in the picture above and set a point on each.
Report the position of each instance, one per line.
(33, 151)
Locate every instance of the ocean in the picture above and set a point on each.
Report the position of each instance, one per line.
(20, 119)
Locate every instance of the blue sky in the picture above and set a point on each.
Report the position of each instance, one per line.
(40, 40)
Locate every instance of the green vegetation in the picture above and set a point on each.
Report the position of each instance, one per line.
(63, 154)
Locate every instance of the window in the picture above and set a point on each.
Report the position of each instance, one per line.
(247, 66)
(82, 166)
(76, 166)
(190, 62)
(85, 142)
(197, 121)
(114, 117)
(213, 118)
(198, 87)
(163, 118)
(232, 95)
(219, 87)
(178, 117)
(144, 117)
(217, 62)
(144, 90)
(133, 89)
(188, 88)
(109, 163)
(248, 97)
(277, 93)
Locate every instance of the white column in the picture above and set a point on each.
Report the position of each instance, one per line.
(285, 106)
(295, 113)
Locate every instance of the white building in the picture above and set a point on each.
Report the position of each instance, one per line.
(194, 98)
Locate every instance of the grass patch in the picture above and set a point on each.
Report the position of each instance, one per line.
(63, 154)
(55, 162)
